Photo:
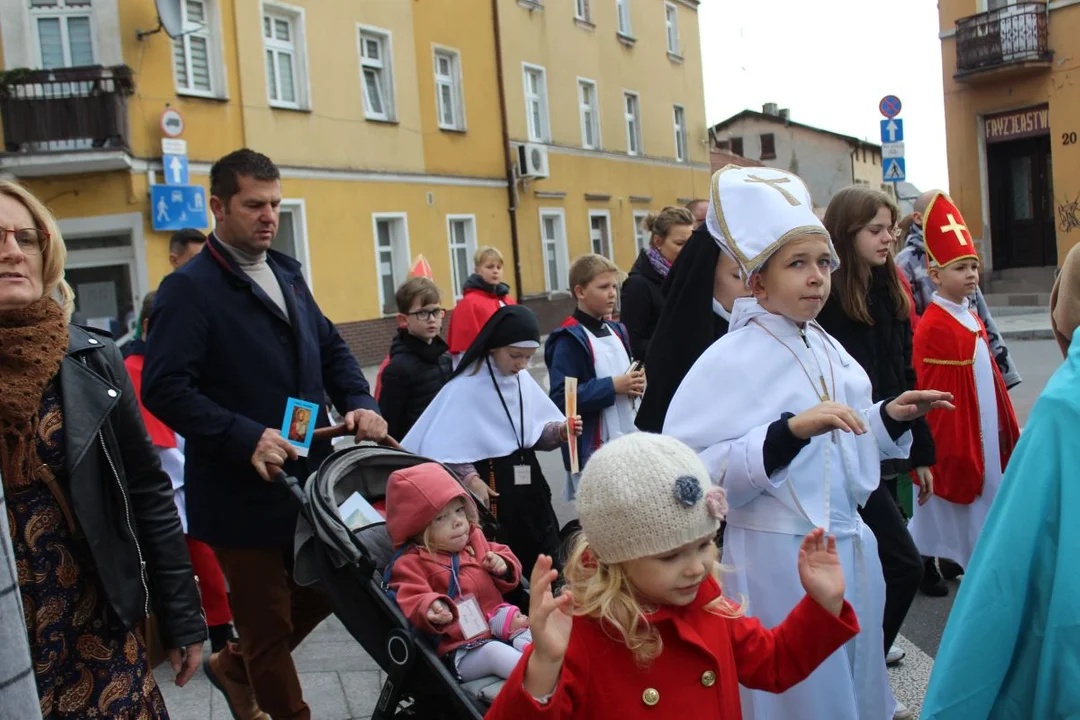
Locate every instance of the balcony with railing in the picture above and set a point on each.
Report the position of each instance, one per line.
(1008, 40)
(65, 120)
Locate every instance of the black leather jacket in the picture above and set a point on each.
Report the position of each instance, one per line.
(121, 498)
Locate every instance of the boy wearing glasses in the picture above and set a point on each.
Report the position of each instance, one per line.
(419, 362)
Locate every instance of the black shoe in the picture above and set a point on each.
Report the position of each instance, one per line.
(932, 583)
(220, 636)
(949, 569)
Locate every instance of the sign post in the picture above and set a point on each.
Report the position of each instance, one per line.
(893, 166)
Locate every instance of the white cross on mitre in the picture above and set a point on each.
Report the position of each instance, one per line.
(754, 211)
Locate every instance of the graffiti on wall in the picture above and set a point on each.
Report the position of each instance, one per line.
(1069, 214)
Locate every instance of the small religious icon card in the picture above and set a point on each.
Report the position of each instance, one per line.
(298, 427)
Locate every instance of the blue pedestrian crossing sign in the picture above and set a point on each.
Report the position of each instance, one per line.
(893, 170)
(175, 207)
(176, 169)
(892, 130)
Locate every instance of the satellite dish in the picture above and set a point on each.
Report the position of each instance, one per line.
(170, 19)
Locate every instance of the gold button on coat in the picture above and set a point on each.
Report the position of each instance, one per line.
(708, 678)
(650, 697)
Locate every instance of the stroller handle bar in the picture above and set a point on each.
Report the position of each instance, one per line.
(278, 475)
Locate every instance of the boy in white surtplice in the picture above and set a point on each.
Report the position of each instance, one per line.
(782, 416)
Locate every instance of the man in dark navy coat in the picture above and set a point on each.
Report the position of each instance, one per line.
(236, 334)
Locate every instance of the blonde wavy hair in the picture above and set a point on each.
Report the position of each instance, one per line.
(54, 254)
(604, 592)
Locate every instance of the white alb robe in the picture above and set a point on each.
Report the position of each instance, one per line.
(723, 409)
(949, 530)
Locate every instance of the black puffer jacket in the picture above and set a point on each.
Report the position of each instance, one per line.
(415, 375)
(642, 301)
(121, 498)
(884, 352)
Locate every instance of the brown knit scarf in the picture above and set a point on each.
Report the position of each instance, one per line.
(33, 341)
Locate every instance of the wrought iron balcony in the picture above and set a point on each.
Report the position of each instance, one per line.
(64, 109)
(1010, 37)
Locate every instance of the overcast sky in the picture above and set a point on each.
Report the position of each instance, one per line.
(830, 62)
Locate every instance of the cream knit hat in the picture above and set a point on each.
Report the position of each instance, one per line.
(646, 494)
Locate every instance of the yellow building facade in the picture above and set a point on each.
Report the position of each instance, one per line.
(1011, 110)
(386, 120)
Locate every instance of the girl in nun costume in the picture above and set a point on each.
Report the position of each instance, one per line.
(488, 422)
(794, 438)
(700, 290)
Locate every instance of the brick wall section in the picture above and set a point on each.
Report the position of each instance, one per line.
(370, 340)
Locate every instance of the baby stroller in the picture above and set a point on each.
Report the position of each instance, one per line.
(349, 567)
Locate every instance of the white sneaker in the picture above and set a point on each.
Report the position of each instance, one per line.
(895, 655)
(902, 712)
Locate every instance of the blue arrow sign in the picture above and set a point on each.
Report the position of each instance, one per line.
(176, 169)
(892, 130)
(175, 207)
(893, 170)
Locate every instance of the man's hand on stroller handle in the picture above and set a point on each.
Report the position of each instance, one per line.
(271, 453)
(367, 424)
(439, 614)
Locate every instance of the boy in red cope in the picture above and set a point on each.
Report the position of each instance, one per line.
(951, 353)
(484, 293)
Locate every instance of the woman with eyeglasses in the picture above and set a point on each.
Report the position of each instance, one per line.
(93, 524)
(868, 312)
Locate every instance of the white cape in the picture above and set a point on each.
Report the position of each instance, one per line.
(466, 422)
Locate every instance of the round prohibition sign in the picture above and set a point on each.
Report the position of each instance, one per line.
(890, 106)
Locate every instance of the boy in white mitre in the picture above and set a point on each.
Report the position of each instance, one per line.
(951, 352)
(793, 436)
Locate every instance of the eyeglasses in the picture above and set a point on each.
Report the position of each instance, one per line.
(31, 241)
(879, 229)
(425, 315)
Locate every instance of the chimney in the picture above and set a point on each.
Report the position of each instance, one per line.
(785, 114)
(770, 109)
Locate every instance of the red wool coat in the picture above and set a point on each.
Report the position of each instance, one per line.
(943, 354)
(697, 674)
(420, 578)
(469, 316)
(159, 433)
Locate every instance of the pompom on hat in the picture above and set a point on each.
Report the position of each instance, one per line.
(755, 211)
(646, 494)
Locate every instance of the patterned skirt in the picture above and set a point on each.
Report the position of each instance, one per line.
(87, 663)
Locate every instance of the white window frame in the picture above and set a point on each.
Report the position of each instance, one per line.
(455, 83)
(606, 215)
(682, 141)
(298, 31)
(457, 282)
(622, 18)
(633, 124)
(582, 10)
(298, 209)
(211, 32)
(594, 112)
(642, 237)
(399, 276)
(385, 65)
(62, 13)
(562, 254)
(671, 27)
(541, 134)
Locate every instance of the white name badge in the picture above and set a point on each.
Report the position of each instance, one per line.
(470, 619)
(522, 475)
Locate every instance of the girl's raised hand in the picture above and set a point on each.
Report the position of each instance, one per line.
(551, 619)
(820, 571)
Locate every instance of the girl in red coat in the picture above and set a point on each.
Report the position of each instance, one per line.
(643, 630)
(448, 579)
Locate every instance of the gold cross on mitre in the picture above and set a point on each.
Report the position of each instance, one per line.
(774, 183)
(955, 227)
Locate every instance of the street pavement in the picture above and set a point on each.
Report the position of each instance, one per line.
(341, 682)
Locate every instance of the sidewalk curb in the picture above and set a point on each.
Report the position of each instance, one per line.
(1031, 334)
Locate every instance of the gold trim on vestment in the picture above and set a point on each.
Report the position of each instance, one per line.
(936, 361)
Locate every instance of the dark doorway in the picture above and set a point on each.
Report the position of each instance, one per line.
(1021, 203)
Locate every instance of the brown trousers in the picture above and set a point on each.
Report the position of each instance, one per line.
(273, 615)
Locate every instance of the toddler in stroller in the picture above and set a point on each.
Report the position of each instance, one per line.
(448, 579)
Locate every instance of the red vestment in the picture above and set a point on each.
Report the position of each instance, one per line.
(470, 315)
(944, 356)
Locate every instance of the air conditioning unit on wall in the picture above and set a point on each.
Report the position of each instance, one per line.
(532, 161)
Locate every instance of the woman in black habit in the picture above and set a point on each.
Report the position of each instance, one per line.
(486, 425)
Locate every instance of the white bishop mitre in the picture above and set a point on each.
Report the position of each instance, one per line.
(754, 211)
